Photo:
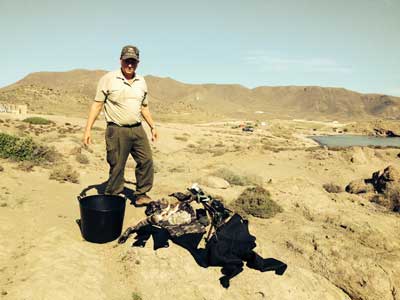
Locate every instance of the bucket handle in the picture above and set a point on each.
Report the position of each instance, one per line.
(83, 195)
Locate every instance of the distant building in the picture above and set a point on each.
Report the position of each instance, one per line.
(13, 109)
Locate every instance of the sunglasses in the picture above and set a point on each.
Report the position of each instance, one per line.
(131, 61)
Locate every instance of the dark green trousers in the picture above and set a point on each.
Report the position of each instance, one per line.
(120, 142)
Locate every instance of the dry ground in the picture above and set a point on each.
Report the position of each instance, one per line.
(337, 246)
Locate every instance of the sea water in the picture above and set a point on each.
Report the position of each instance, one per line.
(356, 140)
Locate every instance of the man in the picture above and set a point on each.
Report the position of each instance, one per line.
(122, 93)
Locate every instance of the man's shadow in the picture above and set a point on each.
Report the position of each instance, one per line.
(101, 188)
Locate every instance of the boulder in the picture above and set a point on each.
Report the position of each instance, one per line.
(214, 182)
(386, 183)
(386, 128)
(390, 173)
(381, 178)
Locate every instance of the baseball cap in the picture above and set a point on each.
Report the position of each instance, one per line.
(130, 52)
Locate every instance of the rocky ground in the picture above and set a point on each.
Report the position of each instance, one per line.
(336, 245)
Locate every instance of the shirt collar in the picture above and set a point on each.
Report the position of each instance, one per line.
(121, 76)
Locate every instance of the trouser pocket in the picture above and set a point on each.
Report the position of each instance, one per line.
(111, 145)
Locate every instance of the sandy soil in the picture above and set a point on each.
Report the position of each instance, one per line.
(337, 246)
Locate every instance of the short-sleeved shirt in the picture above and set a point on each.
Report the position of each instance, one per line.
(123, 101)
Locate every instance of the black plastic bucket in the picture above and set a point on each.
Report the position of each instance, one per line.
(102, 217)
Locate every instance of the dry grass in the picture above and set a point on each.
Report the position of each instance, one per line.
(82, 158)
(217, 152)
(199, 149)
(256, 201)
(181, 138)
(26, 166)
(76, 150)
(64, 173)
(332, 188)
(236, 179)
(177, 169)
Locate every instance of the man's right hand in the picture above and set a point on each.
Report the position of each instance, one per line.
(87, 139)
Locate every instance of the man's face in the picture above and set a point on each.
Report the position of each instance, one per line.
(129, 66)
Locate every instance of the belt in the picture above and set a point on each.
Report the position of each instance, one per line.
(129, 125)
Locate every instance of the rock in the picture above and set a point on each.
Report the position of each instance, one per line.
(358, 156)
(214, 182)
(384, 182)
(359, 186)
(386, 128)
(390, 174)
(392, 194)
(381, 178)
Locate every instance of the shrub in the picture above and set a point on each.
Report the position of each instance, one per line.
(37, 121)
(136, 296)
(82, 158)
(256, 201)
(200, 150)
(332, 188)
(76, 150)
(26, 166)
(181, 138)
(25, 148)
(236, 179)
(177, 169)
(218, 152)
(64, 173)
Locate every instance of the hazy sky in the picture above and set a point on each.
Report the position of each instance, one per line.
(343, 43)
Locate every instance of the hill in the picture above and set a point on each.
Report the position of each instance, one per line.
(71, 92)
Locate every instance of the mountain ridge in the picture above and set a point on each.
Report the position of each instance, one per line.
(72, 91)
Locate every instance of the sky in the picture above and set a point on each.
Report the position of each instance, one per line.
(353, 44)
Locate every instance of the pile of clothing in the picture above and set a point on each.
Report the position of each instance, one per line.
(228, 247)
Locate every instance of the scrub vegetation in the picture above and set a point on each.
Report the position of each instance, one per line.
(332, 188)
(82, 158)
(236, 179)
(37, 121)
(64, 173)
(257, 202)
(24, 148)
